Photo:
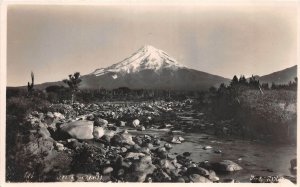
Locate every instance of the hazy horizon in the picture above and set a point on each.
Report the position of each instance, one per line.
(55, 41)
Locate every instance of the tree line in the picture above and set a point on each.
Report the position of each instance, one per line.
(72, 92)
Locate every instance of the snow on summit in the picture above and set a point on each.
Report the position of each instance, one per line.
(146, 58)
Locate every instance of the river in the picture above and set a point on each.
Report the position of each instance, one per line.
(256, 158)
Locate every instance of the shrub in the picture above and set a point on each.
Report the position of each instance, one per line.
(20, 106)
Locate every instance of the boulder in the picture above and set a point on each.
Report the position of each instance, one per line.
(98, 132)
(122, 124)
(167, 165)
(168, 146)
(199, 179)
(147, 139)
(136, 123)
(120, 172)
(122, 138)
(50, 115)
(109, 134)
(162, 152)
(156, 142)
(141, 169)
(181, 180)
(148, 145)
(225, 166)
(52, 127)
(198, 170)
(107, 170)
(39, 146)
(35, 113)
(140, 128)
(58, 116)
(100, 122)
(136, 148)
(134, 155)
(145, 150)
(59, 146)
(123, 149)
(212, 176)
(138, 140)
(79, 129)
(90, 117)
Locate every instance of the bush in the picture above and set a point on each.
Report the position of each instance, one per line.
(273, 113)
(20, 106)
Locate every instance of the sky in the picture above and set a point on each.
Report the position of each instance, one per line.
(54, 41)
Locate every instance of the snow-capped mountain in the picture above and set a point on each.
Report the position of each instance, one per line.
(146, 58)
(149, 68)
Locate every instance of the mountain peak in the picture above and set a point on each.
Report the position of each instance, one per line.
(146, 58)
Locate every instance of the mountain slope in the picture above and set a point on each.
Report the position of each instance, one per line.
(182, 79)
(150, 68)
(280, 77)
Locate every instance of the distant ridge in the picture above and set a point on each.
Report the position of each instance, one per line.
(280, 77)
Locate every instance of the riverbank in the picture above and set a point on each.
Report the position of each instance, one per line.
(117, 141)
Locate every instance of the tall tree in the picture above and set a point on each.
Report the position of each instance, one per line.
(234, 81)
(243, 80)
(253, 82)
(73, 83)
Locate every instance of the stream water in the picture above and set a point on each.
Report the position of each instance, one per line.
(256, 158)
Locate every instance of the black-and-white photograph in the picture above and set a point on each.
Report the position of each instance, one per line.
(151, 92)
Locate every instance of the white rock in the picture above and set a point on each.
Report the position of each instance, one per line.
(98, 132)
(207, 147)
(50, 115)
(136, 123)
(134, 155)
(58, 115)
(59, 146)
(79, 129)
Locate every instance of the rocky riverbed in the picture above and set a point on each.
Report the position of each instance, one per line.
(143, 142)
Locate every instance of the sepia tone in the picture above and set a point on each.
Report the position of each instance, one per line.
(160, 93)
